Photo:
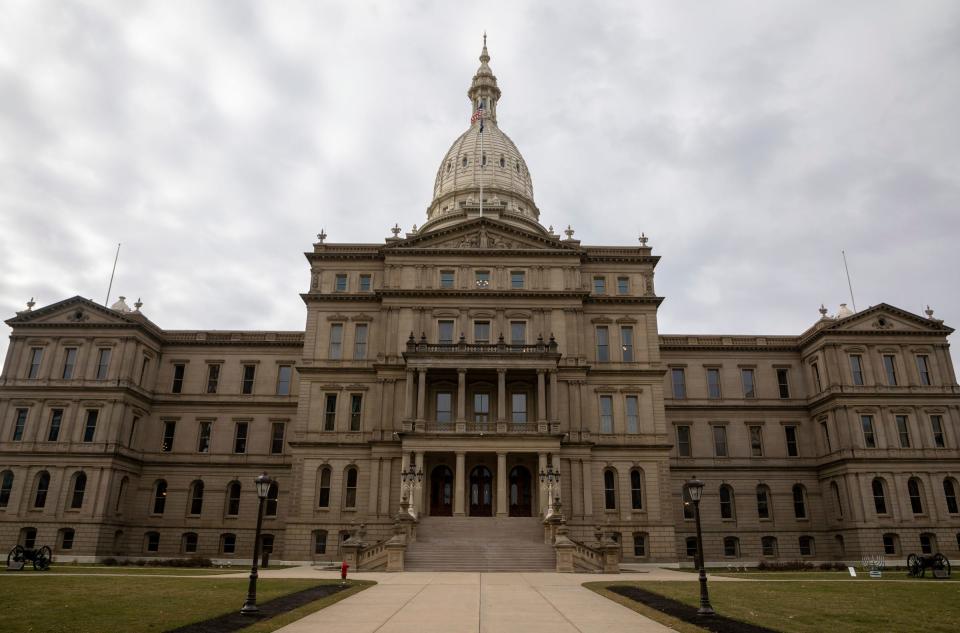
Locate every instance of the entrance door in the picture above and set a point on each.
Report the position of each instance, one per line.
(481, 492)
(520, 492)
(441, 492)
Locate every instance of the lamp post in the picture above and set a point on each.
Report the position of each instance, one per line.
(410, 480)
(550, 478)
(695, 491)
(263, 483)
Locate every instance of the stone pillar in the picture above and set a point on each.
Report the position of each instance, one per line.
(541, 397)
(587, 488)
(374, 486)
(501, 484)
(501, 400)
(542, 497)
(461, 396)
(459, 485)
(421, 397)
(408, 402)
(554, 397)
(418, 492)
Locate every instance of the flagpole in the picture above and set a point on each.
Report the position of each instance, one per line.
(481, 161)
(112, 273)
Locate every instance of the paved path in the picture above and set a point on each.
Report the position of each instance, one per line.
(433, 602)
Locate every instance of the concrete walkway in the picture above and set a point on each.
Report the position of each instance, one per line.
(435, 602)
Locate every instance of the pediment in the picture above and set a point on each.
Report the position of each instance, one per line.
(886, 318)
(73, 311)
(482, 234)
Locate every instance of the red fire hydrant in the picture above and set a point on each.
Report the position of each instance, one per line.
(343, 572)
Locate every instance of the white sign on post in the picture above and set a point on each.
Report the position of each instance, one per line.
(853, 572)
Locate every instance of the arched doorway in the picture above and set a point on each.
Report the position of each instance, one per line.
(441, 492)
(481, 492)
(520, 492)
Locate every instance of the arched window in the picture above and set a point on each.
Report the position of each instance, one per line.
(270, 507)
(949, 493)
(503, 161)
(65, 538)
(6, 486)
(806, 546)
(188, 543)
(79, 487)
(838, 504)
(763, 501)
(609, 490)
(726, 502)
(879, 497)
(913, 490)
(841, 547)
(464, 161)
(196, 497)
(688, 510)
(350, 489)
(159, 496)
(731, 546)
(43, 485)
(799, 501)
(324, 496)
(233, 498)
(319, 541)
(636, 490)
(120, 492)
(768, 545)
(151, 541)
(691, 544)
(890, 542)
(228, 543)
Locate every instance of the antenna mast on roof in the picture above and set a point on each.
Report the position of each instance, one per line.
(112, 273)
(849, 284)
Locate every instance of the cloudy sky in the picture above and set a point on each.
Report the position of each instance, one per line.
(752, 141)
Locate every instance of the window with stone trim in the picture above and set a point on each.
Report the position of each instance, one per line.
(356, 411)
(923, 369)
(689, 512)
(336, 341)
(691, 546)
(806, 546)
(56, 420)
(603, 343)
(683, 441)
(936, 425)
(270, 505)
(103, 363)
(950, 494)
(196, 498)
(928, 543)
(179, 369)
(606, 414)
(731, 547)
(856, 369)
(188, 542)
(340, 282)
(890, 542)
(228, 543)
(284, 378)
(151, 542)
(65, 537)
(636, 489)
(6, 487)
(768, 546)
(626, 343)
(41, 489)
(159, 496)
(837, 502)
(319, 541)
(748, 379)
(249, 374)
(330, 412)
(640, 544)
(240, 437)
(783, 382)
(445, 331)
(609, 489)
(879, 496)
(19, 424)
(763, 501)
(366, 283)
(277, 433)
(719, 440)
(799, 502)
(914, 491)
(69, 363)
(169, 429)
(679, 383)
(36, 356)
(213, 377)
(360, 341)
(234, 490)
(790, 435)
(518, 407)
(632, 405)
(869, 435)
(756, 440)
(323, 497)
(713, 383)
(726, 502)
(350, 488)
(79, 488)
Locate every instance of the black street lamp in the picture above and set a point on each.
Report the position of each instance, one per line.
(695, 491)
(551, 478)
(263, 483)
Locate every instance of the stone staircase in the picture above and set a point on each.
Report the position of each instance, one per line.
(479, 544)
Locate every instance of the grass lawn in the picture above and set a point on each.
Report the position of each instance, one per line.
(831, 575)
(814, 607)
(105, 604)
(128, 570)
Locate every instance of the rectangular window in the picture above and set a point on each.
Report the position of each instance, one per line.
(626, 343)
(623, 285)
(816, 377)
(856, 369)
(783, 382)
(360, 341)
(518, 407)
(481, 407)
(444, 406)
(713, 383)
(340, 283)
(869, 437)
(756, 441)
(90, 428)
(213, 378)
(720, 441)
(56, 419)
(246, 385)
(606, 414)
(276, 437)
(518, 332)
(69, 363)
(903, 431)
(763, 503)
(284, 375)
(481, 332)
(144, 366)
(356, 407)
(633, 414)
(889, 545)
(228, 543)
(203, 441)
(103, 363)
(365, 283)
(517, 279)
(890, 368)
(240, 437)
(599, 285)
(19, 425)
(747, 377)
(482, 279)
(936, 423)
(683, 441)
(178, 371)
(793, 448)
(336, 341)
(133, 431)
(446, 279)
(320, 542)
(825, 430)
(679, 383)
(330, 412)
(923, 369)
(639, 545)
(169, 428)
(36, 355)
(603, 344)
(445, 332)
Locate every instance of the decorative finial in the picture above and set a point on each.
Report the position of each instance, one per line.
(928, 312)
(823, 311)
(643, 240)
(396, 230)
(569, 232)
(551, 229)
(138, 305)
(32, 303)
(414, 230)
(322, 235)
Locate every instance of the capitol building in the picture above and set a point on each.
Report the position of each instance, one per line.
(481, 393)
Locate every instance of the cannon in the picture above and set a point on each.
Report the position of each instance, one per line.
(20, 556)
(917, 566)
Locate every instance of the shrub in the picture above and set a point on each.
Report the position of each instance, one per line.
(109, 562)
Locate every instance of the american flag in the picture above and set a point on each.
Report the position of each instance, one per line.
(477, 116)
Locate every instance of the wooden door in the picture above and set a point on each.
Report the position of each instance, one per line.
(481, 492)
(521, 492)
(441, 492)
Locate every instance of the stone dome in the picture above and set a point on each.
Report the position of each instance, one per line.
(483, 159)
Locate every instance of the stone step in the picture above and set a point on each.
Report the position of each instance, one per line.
(479, 544)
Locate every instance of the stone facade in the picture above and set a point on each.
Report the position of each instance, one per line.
(483, 348)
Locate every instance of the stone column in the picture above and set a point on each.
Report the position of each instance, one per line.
(408, 402)
(501, 400)
(541, 396)
(418, 494)
(458, 485)
(501, 484)
(542, 467)
(374, 486)
(421, 397)
(461, 396)
(554, 397)
(587, 488)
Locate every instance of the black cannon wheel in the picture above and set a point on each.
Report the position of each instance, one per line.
(913, 565)
(941, 562)
(15, 555)
(41, 561)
